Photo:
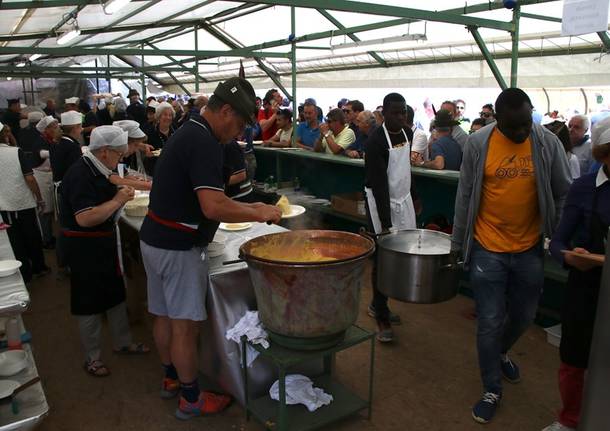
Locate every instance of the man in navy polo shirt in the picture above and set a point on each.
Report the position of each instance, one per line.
(308, 131)
(187, 202)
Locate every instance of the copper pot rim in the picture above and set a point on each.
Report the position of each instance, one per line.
(270, 262)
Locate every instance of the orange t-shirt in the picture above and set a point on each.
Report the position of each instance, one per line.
(509, 216)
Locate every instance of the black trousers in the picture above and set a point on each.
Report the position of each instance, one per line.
(578, 316)
(24, 235)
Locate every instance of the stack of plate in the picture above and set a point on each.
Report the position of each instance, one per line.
(12, 362)
(9, 267)
(217, 246)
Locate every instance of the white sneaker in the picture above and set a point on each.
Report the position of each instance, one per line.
(556, 426)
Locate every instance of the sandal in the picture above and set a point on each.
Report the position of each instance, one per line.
(96, 368)
(133, 349)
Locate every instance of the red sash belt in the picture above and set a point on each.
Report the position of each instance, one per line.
(169, 223)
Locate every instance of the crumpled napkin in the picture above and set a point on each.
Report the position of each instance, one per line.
(250, 326)
(300, 390)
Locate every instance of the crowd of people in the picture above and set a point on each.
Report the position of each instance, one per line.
(86, 163)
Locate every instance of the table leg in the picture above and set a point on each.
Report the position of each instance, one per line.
(282, 425)
(244, 361)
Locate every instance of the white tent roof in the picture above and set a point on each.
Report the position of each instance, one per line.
(449, 57)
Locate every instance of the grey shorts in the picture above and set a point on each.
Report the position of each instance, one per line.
(177, 281)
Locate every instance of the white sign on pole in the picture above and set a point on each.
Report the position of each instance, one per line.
(584, 16)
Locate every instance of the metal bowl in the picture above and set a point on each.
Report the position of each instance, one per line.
(303, 304)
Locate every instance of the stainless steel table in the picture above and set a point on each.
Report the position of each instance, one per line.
(230, 295)
(32, 404)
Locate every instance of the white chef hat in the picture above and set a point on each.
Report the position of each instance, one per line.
(71, 101)
(604, 138)
(120, 104)
(162, 107)
(71, 118)
(45, 122)
(131, 127)
(599, 130)
(35, 116)
(107, 136)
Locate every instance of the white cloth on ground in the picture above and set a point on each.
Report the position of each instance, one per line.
(300, 390)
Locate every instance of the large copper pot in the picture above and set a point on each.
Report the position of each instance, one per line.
(308, 305)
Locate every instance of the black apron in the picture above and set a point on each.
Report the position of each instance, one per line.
(96, 282)
(580, 303)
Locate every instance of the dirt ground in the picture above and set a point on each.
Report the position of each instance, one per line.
(426, 380)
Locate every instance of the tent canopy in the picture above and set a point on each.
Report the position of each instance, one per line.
(188, 43)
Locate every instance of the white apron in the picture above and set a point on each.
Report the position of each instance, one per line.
(399, 184)
(44, 178)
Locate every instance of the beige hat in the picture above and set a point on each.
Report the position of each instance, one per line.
(72, 101)
(35, 116)
(71, 118)
(45, 122)
(131, 127)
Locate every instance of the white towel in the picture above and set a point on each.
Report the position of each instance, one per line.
(250, 326)
(300, 390)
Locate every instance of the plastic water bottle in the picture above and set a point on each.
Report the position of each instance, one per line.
(13, 334)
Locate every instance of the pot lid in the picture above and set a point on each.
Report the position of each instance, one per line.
(417, 242)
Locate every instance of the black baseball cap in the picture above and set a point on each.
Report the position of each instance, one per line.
(443, 119)
(238, 93)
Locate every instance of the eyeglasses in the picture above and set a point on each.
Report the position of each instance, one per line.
(117, 152)
(485, 114)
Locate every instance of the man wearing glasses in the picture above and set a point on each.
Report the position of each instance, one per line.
(487, 113)
(335, 135)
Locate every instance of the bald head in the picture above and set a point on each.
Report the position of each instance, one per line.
(201, 101)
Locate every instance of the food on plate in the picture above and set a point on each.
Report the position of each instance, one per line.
(284, 205)
(138, 207)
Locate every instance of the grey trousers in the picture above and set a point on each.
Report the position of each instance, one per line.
(90, 328)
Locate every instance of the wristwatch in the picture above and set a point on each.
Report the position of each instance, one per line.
(327, 134)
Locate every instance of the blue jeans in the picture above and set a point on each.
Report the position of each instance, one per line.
(507, 287)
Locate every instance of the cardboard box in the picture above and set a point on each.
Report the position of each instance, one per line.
(349, 203)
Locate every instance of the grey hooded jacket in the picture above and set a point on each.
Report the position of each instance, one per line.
(553, 180)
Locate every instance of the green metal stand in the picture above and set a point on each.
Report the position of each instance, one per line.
(277, 415)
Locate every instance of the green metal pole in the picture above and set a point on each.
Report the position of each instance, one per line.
(197, 60)
(487, 56)
(142, 75)
(293, 60)
(108, 74)
(514, 58)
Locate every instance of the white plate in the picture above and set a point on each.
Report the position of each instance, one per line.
(257, 142)
(295, 210)
(9, 267)
(12, 362)
(232, 227)
(7, 387)
(216, 253)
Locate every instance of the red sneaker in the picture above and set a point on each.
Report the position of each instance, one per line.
(169, 388)
(208, 403)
